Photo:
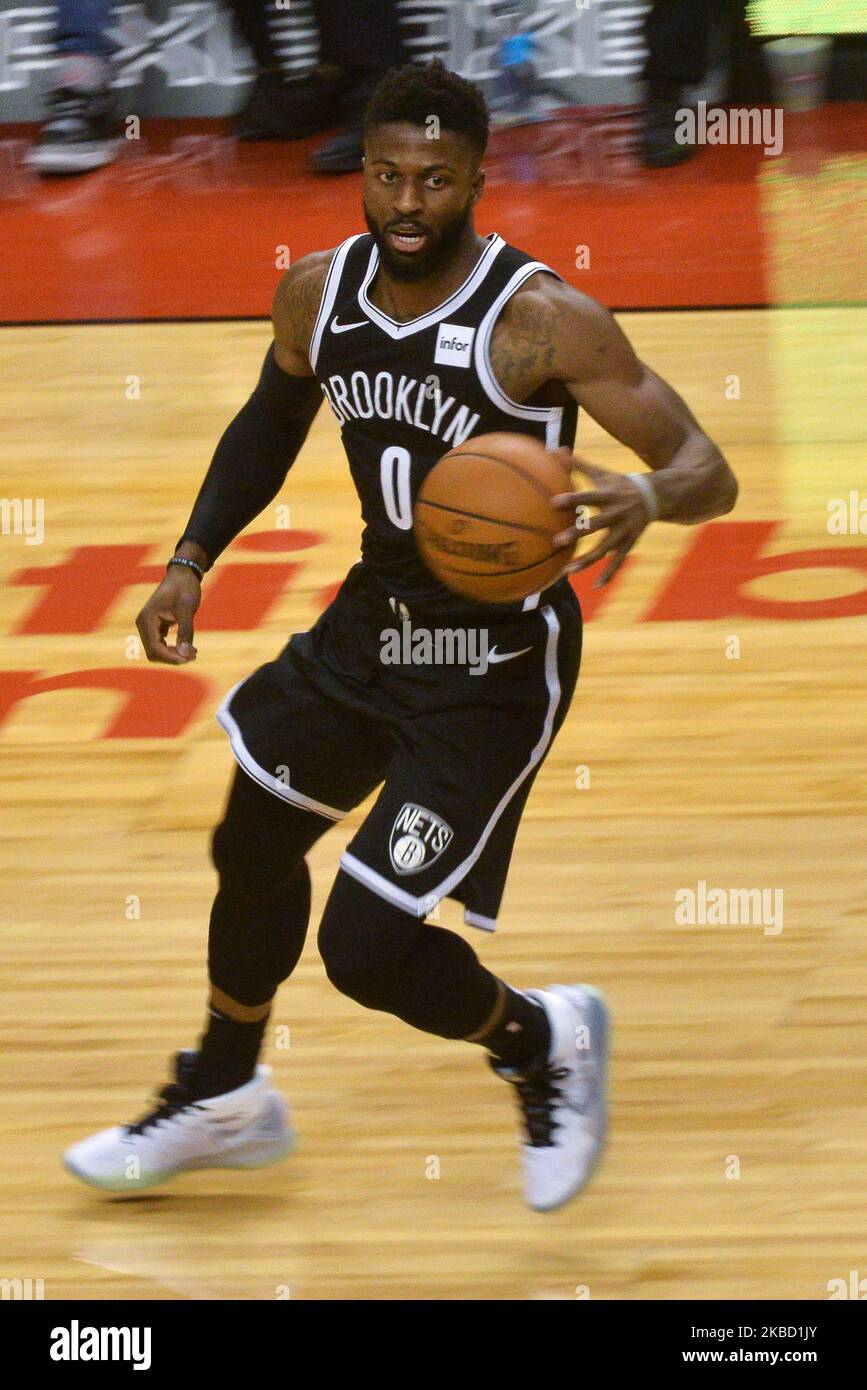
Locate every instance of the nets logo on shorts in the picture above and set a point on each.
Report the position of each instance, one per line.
(418, 837)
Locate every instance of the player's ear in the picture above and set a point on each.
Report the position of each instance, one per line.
(478, 186)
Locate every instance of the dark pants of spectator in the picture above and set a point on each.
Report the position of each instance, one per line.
(367, 60)
(82, 27)
(677, 34)
(363, 60)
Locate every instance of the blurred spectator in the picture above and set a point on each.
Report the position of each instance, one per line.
(677, 34)
(351, 62)
(79, 132)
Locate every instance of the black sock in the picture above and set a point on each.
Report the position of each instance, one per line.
(522, 1034)
(227, 1054)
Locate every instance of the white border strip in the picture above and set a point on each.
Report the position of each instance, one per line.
(419, 907)
(475, 919)
(259, 774)
(329, 294)
(549, 415)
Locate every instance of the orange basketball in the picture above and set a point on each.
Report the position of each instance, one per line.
(483, 518)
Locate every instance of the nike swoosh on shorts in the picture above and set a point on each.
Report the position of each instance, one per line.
(494, 655)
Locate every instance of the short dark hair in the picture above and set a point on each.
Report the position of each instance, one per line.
(418, 91)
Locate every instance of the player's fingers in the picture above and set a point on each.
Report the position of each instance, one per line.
(602, 521)
(611, 542)
(153, 626)
(578, 499)
(591, 470)
(185, 646)
(612, 569)
(565, 454)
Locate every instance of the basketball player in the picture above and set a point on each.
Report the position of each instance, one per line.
(419, 334)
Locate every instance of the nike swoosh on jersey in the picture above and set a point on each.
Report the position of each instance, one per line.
(494, 655)
(345, 327)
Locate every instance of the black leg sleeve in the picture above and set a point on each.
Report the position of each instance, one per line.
(385, 959)
(260, 914)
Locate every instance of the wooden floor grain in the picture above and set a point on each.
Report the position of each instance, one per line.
(736, 1165)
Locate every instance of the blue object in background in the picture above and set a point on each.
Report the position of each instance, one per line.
(516, 80)
(82, 27)
(520, 48)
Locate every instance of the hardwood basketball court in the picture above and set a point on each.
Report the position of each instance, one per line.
(716, 737)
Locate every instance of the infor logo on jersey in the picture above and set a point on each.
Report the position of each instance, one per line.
(454, 345)
(418, 837)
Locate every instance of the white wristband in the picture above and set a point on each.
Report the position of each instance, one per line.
(648, 493)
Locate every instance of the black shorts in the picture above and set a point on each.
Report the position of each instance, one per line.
(454, 720)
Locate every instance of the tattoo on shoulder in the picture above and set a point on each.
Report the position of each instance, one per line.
(306, 297)
(523, 345)
(299, 296)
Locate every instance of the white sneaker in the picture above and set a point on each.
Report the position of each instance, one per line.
(245, 1128)
(563, 1099)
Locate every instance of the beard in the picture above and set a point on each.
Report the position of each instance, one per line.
(418, 265)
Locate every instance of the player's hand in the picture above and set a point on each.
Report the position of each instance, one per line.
(175, 601)
(622, 515)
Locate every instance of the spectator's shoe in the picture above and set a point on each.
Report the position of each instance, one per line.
(345, 153)
(245, 1128)
(660, 148)
(342, 155)
(563, 1097)
(79, 133)
(287, 110)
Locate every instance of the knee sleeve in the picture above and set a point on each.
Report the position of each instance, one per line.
(386, 959)
(253, 946)
(362, 940)
(254, 862)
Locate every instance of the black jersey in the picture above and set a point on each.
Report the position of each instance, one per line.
(404, 394)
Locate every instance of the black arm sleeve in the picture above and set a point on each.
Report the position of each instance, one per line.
(253, 457)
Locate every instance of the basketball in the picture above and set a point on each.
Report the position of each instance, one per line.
(484, 522)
